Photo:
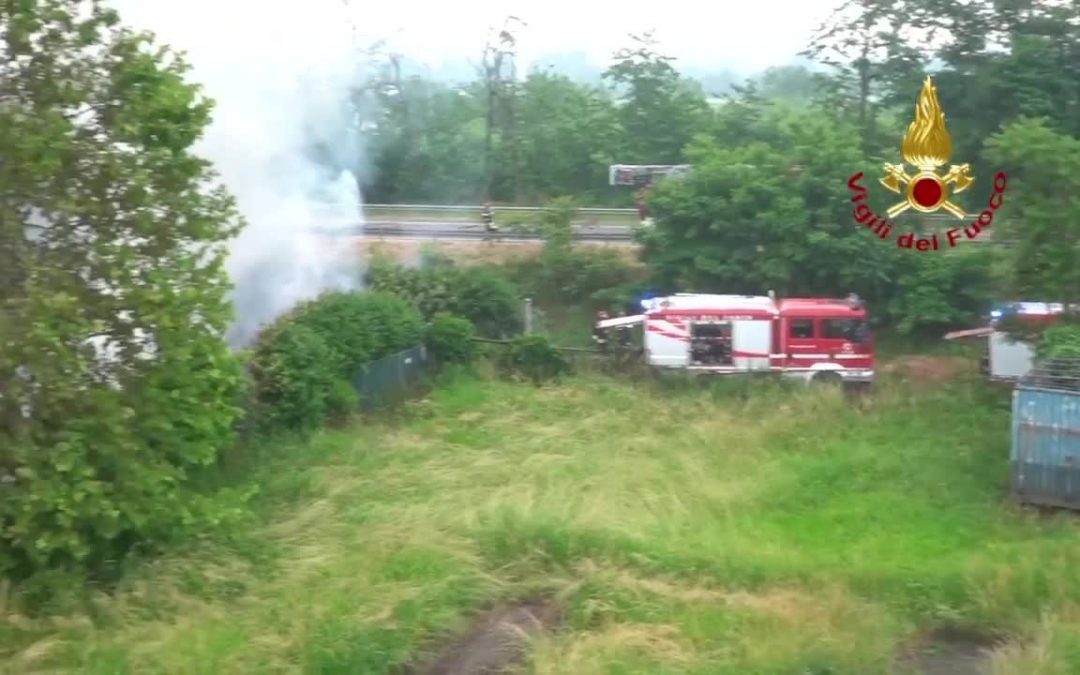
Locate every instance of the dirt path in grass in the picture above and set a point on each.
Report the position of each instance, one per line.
(496, 640)
(948, 652)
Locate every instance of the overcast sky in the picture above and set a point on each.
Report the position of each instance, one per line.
(747, 36)
(752, 35)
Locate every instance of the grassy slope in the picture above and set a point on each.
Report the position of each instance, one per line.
(689, 532)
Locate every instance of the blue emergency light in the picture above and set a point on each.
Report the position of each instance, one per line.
(646, 299)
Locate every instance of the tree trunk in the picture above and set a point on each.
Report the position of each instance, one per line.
(864, 98)
(489, 129)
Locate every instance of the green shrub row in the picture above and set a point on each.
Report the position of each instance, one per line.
(490, 302)
(564, 274)
(1060, 341)
(533, 357)
(303, 365)
(450, 339)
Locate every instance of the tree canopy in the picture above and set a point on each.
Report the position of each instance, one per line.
(116, 381)
(766, 204)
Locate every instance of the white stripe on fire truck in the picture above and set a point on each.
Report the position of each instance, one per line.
(659, 326)
(820, 356)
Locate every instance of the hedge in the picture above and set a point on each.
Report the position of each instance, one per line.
(533, 357)
(302, 363)
(450, 339)
(480, 295)
(1060, 341)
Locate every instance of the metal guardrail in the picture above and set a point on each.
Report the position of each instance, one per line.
(585, 211)
(932, 223)
(478, 233)
(934, 218)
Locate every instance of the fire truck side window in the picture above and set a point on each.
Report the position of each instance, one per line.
(802, 329)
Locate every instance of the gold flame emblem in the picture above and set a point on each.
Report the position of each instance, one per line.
(927, 146)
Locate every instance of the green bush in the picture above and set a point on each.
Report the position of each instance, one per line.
(563, 274)
(342, 399)
(304, 363)
(1060, 341)
(480, 295)
(933, 293)
(574, 276)
(533, 357)
(115, 383)
(450, 339)
(294, 370)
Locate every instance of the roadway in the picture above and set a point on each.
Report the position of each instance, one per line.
(450, 230)
(464, 231)
(426, 222)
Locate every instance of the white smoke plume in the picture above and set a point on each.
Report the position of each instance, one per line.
(280, 74)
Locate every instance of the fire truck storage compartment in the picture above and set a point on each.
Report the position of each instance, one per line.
(710, 343)
(752, 343)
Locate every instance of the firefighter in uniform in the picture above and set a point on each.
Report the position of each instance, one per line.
(600, 334)
(624, 333)
(642, 213)
(488, 216)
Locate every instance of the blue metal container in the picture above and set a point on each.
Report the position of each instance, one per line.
(1045, 455)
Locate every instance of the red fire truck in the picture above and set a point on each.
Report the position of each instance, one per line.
(809, 338)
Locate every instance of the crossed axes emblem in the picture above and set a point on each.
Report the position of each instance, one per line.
(959, 176)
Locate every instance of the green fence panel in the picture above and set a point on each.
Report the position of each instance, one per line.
(391, 378)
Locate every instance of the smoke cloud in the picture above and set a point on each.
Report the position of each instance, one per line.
(284, 139)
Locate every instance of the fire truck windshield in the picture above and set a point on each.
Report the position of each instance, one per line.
(852, 330)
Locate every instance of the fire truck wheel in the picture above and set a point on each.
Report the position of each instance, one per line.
(827, 377)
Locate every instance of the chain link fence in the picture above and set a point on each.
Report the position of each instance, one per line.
(391, 379)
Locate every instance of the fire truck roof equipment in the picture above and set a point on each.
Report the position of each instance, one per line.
(621, 321)
(702, 301)
(811, 307)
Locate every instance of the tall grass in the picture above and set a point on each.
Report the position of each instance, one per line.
(739, 528)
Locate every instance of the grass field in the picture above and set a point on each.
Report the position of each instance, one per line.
(740, 529)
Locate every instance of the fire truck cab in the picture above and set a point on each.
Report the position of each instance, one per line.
(807, 338)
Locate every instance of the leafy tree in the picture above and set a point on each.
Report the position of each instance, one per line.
(765, 214)
(1040, 214)
(1003, 60)
(428, 144)
(868, 44)
(936, 292)
(660, 111)
(556, 228)
(116, 381)
(498, 80)
(789, 83)
(568, 138)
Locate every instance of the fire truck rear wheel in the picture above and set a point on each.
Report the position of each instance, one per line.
(827, 377)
